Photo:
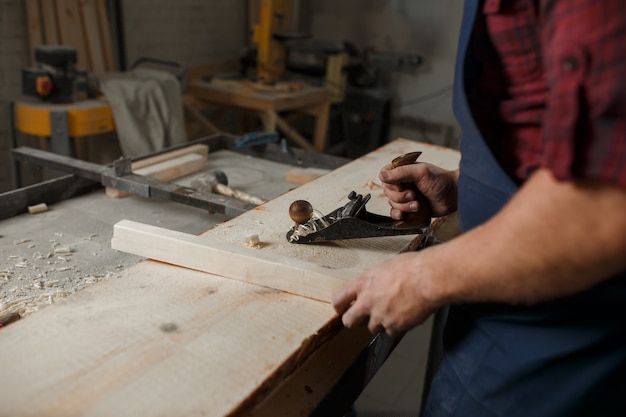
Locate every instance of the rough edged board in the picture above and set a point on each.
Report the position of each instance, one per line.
(228, 260)
(157, 340)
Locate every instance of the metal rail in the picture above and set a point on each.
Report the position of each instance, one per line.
(86, 176)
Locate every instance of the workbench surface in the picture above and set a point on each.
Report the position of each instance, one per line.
(47, 256)
(156, 339)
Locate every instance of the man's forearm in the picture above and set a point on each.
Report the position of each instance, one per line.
(553, 239)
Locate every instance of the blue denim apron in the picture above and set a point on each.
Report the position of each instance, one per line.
(563, 358)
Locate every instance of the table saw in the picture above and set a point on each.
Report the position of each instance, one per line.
(147, 338)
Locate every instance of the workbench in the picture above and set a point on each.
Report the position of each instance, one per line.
(153, 339)
(267, 102)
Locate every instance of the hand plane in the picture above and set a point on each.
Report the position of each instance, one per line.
(352, 220)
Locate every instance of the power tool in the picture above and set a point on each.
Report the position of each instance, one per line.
(56, 78)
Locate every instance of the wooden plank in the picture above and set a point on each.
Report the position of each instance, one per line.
(163, 340)
(105, 36)
(199, 149)
(34, 25)
(71, 29)
(156, 340)
(203, 253)
(91, 29)
(179, 166)
(50, 21)
(174, 168)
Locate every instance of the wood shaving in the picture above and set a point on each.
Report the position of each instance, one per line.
(372, 185)
(37, 208)
(252, 240)
(28, 305)
(63, 250)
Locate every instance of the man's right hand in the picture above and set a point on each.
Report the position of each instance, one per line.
(438, 185)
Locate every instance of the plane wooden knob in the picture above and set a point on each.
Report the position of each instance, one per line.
(300, 211)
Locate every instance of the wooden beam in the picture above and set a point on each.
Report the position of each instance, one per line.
(92, 34)
(228, 260)
(50, 22)
(34, 25)
(71, 29)
(199, 149)
(105, 36)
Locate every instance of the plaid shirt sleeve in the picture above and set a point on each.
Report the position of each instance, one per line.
(584, 124)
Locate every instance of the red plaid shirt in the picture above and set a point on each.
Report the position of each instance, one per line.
(549, 86)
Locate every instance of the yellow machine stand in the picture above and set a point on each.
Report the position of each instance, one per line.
(61, 127)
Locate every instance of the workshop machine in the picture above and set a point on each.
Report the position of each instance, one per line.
(55, 79)
(278, 50)
(271, 39)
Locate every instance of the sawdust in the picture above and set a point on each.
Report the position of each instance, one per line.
(36, 272)
(47, 257)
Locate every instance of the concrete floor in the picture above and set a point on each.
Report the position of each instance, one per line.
(34, 273)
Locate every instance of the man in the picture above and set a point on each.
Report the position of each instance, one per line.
(537, 281)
